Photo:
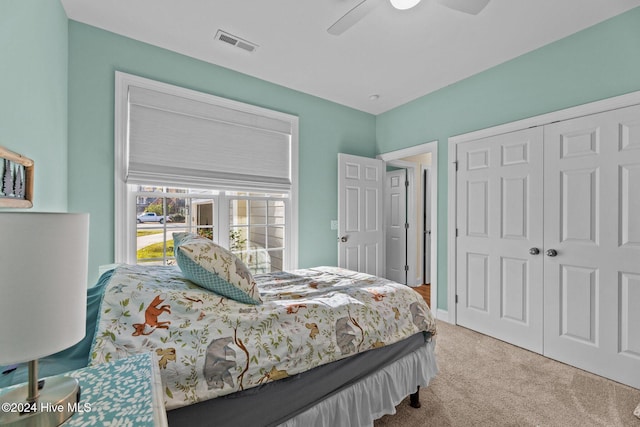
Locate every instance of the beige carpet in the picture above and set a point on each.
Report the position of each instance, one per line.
(486, 382)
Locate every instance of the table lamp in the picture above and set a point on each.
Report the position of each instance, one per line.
(43, 286)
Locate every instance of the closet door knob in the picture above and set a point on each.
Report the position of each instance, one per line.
(552, 252)
(534, 251)
(343, 239)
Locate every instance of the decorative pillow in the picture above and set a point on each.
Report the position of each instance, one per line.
(215, 268)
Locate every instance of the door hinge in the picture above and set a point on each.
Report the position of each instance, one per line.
(406, 225)
(456, 164)
(406, 183)
(406, 268)
(456, 299)
(456, 232)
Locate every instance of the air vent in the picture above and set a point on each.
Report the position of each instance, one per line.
(235, 41)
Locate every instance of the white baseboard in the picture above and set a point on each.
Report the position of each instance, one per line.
(443, 315)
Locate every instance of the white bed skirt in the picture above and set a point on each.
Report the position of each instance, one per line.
(374, 396)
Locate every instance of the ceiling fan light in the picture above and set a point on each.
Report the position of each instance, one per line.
(404, 4)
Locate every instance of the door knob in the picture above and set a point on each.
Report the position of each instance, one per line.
(534, 251)
(343, 239)
(552, 252)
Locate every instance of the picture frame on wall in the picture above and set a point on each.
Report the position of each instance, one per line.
(16, 180)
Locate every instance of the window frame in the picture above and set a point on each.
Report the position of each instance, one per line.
(224, 210)
(125, 195)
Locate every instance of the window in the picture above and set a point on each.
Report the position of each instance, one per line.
(172, 210)
(254, 230)
(189, 161)
(257, 230)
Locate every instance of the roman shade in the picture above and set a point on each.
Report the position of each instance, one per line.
(191, 139)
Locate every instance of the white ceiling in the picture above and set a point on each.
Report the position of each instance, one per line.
(398, 55)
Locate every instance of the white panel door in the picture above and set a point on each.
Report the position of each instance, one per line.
(592, 223)
(499, 219)
(360, 214)
(395, 209)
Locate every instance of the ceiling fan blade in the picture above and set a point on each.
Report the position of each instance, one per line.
(354, 15)
(472, 7)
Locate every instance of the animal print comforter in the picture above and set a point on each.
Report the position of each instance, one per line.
(209, 346)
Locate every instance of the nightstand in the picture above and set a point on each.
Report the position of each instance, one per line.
(124, 392)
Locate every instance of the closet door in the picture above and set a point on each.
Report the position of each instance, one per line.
(592, 243)
(499, 219)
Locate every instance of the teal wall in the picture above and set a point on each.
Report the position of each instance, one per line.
(326, 129)
(57, 85)
(600, 62)
(33, 93)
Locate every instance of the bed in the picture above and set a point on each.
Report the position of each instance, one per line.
(324, 346)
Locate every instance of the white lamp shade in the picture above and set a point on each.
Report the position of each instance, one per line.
(43, 283)
(404, 4)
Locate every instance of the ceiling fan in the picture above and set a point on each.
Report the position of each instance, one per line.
(472, 7)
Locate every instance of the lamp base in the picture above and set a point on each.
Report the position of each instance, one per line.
(57, 401)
